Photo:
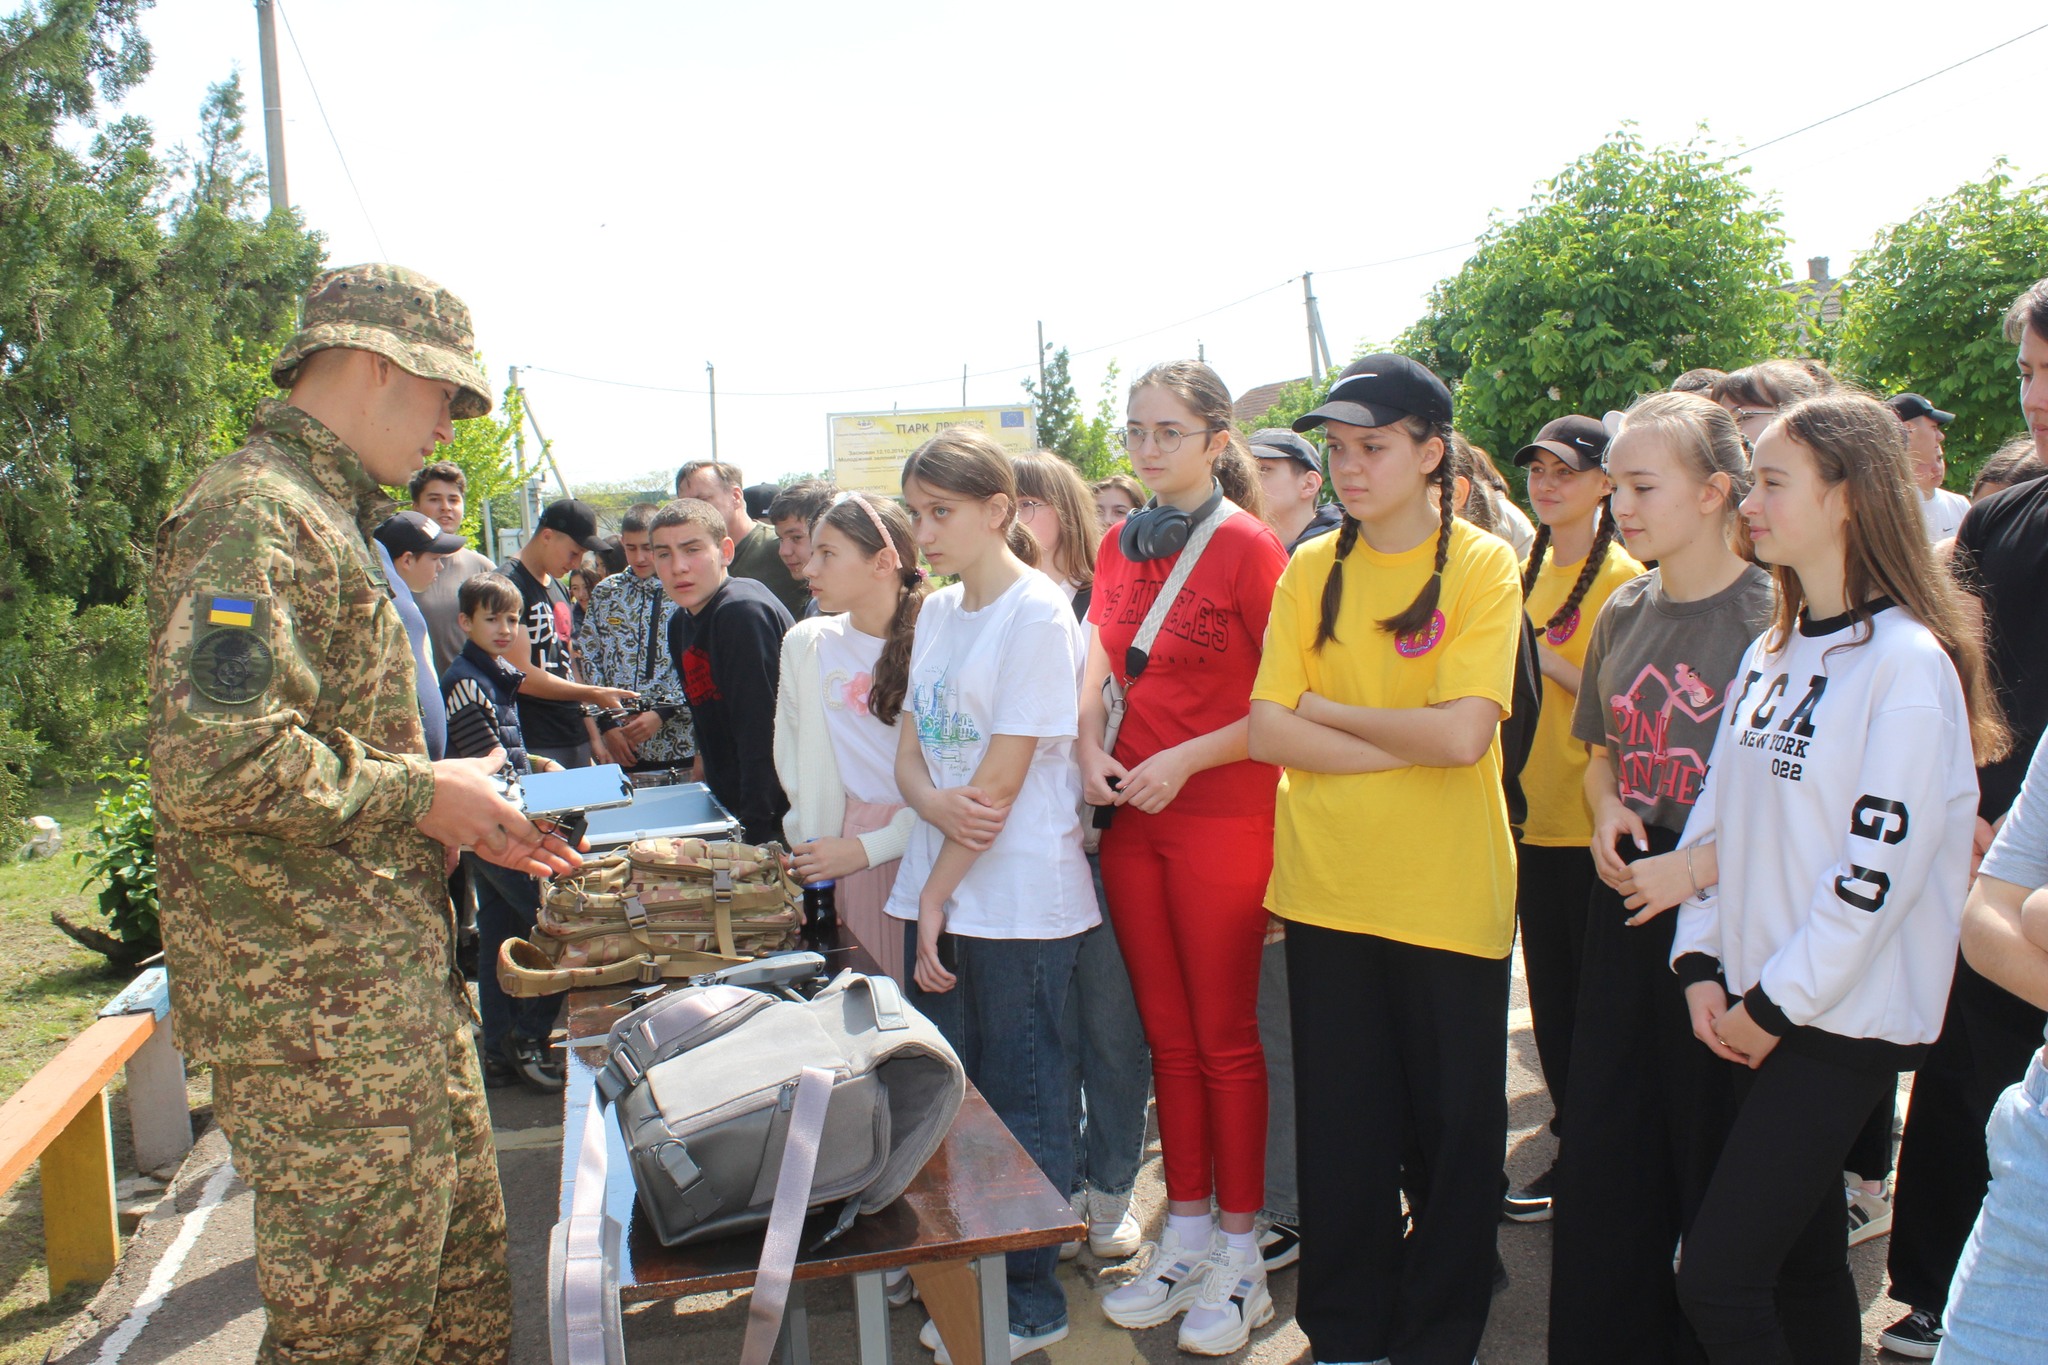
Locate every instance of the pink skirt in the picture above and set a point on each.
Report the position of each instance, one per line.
(861, 895)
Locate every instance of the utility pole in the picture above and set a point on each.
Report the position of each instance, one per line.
(711, 374)
(273, 106)
(963, 383)
(519, 461)
(1041, 361)
(1201, 351)
(1319, 363)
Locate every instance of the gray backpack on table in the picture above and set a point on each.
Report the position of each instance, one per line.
(742, 1110)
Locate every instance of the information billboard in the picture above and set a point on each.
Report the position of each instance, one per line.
(869, 448)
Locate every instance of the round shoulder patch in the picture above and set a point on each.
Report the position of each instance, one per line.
(231, 666)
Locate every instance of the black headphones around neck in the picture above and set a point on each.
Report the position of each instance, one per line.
(1155, 532)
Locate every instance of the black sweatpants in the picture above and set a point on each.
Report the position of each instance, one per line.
(1987, 1038)
(1397, 1049)
(1765, 1276)
(1870, 1156)
(1653, 1108)
(1551, 887)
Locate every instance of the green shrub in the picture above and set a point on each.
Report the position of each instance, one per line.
(124, 828)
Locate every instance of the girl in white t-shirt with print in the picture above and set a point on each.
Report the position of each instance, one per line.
(994, 888)
(845, 674)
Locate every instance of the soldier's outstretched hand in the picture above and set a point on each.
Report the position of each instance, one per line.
(470, 812)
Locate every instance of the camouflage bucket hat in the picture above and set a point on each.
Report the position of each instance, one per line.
(399, 314)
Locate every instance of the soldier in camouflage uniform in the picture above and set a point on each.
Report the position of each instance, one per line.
(301, 837)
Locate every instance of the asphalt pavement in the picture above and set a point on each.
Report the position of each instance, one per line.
(186, 1294)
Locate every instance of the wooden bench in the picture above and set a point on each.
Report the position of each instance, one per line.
(60, 1117)
(980, 1196)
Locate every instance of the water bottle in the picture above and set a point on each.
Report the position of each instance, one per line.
(821, 909)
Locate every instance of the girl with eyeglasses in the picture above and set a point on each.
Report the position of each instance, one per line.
(1185, 859)
(1389, 663)
(1821, 876)
(1112, 1068)
(1059, 512)
(1756, 394)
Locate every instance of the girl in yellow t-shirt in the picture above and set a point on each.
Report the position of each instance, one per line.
(1573, 567)
(1393, 864)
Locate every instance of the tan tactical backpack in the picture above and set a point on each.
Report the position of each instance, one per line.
(655, 909)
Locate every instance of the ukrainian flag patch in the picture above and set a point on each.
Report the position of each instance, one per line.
(231, 611)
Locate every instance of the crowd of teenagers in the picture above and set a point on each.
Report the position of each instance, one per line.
(1228, 786)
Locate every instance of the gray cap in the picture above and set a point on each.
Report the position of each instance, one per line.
(1278, 443)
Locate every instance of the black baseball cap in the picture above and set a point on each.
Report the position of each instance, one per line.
(1278, 443)
(1378, 391)
(1911, 405)
(575, 519)
(415, 533)
(1580, 442)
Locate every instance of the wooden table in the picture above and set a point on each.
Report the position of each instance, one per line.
(978, 1197)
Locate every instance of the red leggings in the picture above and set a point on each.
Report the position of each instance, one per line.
(1186, 893)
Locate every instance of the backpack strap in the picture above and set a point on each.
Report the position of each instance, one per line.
(525, 972)
(786, 1219)
(585, 1325)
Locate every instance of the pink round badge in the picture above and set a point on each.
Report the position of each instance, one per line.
(1563, 630)
(1419, 643)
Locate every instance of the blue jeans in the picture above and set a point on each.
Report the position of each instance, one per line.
(1003, 1018)
(506, 902)
(1112, 1067)
(1276, 1035)
(1995, 1305)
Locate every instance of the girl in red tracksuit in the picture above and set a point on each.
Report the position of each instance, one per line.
(1187, 856)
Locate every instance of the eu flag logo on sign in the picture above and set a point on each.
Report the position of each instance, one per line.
(1013, 419)
(231, 611)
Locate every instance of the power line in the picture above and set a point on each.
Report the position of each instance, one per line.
(1397, 260)
(367, 220)
(921, 383)
(1782, 137)
(1139, 336)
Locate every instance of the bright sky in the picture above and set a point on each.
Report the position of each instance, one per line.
(844, 197)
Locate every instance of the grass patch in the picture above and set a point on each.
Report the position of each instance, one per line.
(50, 990)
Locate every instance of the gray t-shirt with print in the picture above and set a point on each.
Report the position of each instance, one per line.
(1655, 676)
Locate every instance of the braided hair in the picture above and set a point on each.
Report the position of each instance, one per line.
(863, 525)
(1415, 617)
(1603, 537)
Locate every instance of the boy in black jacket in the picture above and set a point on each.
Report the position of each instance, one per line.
(727, 646)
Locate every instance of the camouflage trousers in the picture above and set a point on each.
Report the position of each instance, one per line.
(380, 1225)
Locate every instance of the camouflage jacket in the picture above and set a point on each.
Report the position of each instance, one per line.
(304, 916)
(624, 643)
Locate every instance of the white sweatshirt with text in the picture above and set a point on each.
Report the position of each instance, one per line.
(1842, 794)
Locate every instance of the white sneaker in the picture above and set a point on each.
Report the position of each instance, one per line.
(1169, 1278)
(1233, 1301)
(1069, 1250)
(897, 1287)
(1114, 1233)
(1870, 1215)
(1020, 1346)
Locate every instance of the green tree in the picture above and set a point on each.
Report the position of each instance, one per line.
(1925, 308)
(483, 450)
(222, 173)
(1061, 426)
(1633, 265)
(134, 329)
(1086, 442)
